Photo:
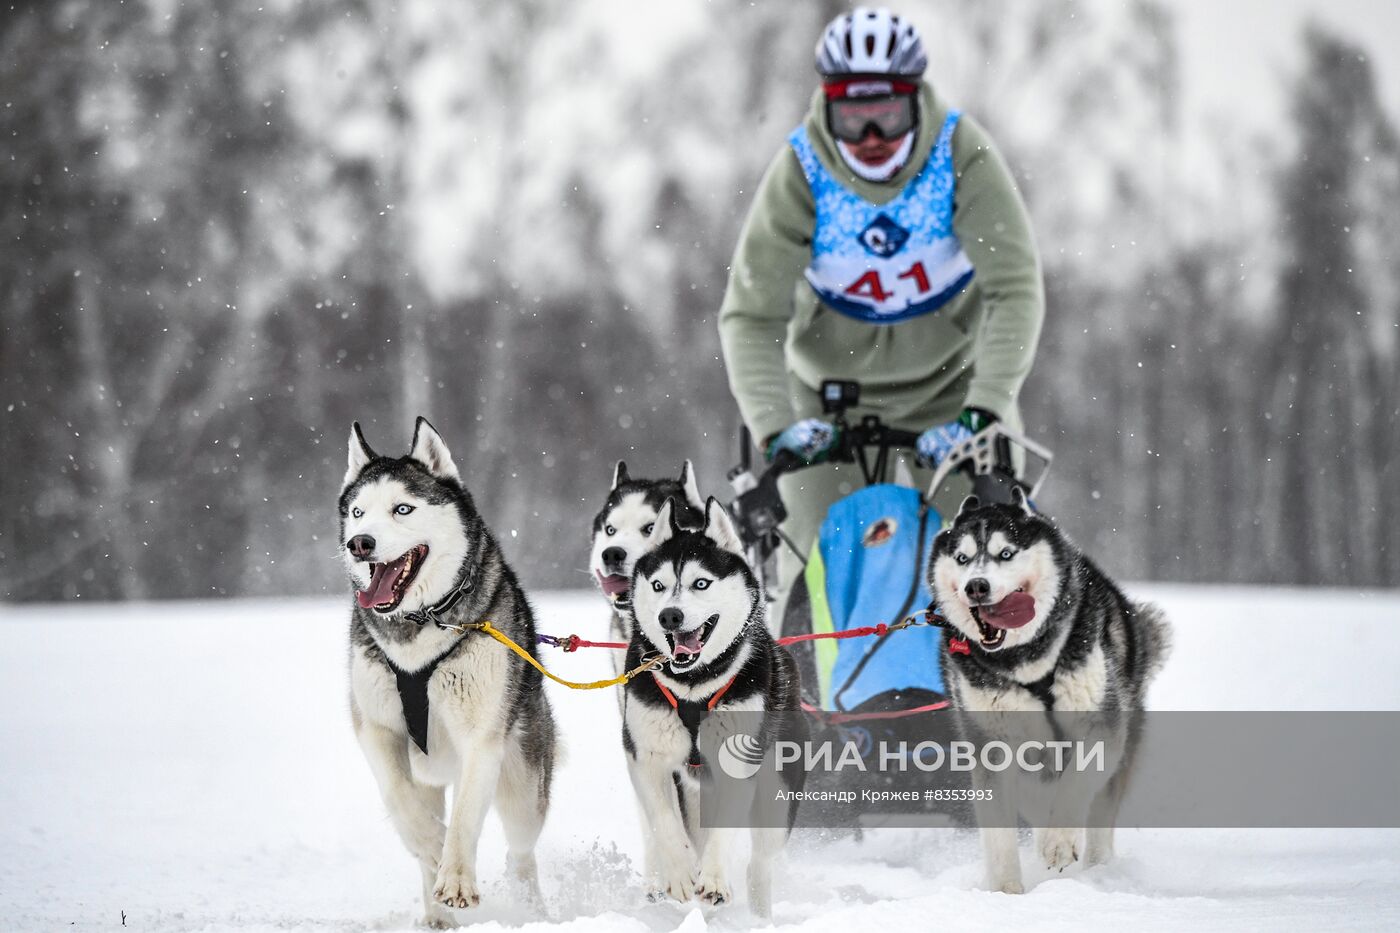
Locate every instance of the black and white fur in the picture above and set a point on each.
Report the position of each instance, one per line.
(623, 525)
(621, 532)
(490, 731)
(1087, 648)
(695, 586)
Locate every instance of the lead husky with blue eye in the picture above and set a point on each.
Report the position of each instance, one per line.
(1044, 632)
(697, 604)
(431, 706)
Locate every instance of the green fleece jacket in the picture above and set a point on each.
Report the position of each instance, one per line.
(780, 342)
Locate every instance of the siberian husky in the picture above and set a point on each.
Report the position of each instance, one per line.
(1044, 631)
(698, 606)
(621, 529)
(433, 707)
(620, 532)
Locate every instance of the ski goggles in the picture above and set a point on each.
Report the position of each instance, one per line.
(889, 115)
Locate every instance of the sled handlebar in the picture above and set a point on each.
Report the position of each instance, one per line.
(985, 458)
(758, 507)
(852, 441)
(987, 452)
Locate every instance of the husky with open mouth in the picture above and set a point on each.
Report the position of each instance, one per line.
(435, 707)
(1043, 631)
(698, 607)
(623, 525)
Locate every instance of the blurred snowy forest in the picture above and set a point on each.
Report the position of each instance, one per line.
(230, 229)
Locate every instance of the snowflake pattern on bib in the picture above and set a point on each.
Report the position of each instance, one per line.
(890, 262)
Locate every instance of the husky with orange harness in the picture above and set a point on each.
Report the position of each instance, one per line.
(696, 601)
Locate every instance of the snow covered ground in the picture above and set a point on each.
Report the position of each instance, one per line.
(191, 767)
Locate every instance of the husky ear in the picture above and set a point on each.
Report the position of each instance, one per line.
(664, 528)
(968, 505)
(1018, 497)
(619, 474)
(360, 453)
(430, 450)
(692, 488)
(719, 529)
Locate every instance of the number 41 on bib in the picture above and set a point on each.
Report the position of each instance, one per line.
(869, 285)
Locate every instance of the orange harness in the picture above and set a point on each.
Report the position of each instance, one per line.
(671, 697)
(691, 715)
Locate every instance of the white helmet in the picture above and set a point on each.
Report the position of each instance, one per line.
(870, 42)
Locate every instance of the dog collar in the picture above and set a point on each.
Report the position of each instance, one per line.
(436, 613)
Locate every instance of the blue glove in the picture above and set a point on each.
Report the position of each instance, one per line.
(811, 439)
(935, 444)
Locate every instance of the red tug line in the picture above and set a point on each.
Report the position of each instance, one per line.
(571, 643)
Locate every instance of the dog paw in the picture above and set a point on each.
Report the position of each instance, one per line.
(1059, 848)
(712, 888)
(456, 887)
(676, 882)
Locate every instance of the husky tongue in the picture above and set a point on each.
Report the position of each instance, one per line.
(688, 643)
(614, 584)
(381, 584)
(1012, 612)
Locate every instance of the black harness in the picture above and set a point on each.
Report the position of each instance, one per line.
(413, 685)
(413, 693)
(692, 714)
